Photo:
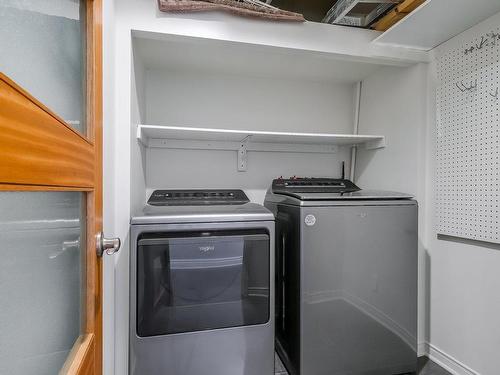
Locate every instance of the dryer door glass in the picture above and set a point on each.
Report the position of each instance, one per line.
(195, 281)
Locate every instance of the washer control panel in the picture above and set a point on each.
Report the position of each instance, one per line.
(312, 185)
(197, 197)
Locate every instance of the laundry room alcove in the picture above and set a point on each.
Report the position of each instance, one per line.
(290, 102)
(214, 71)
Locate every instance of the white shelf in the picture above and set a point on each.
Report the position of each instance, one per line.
(187, 138)
(164, 136)
(338, 42)
(436, 21)
(324, 53)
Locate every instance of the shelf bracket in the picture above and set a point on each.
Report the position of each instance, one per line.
(375, 144)
(243, 155)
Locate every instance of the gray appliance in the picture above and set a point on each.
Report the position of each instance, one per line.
(346, 278)
(202, 285)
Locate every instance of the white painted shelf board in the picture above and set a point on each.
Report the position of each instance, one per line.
(353, 59)
(149, 135)
(436, 21)
(147, 22)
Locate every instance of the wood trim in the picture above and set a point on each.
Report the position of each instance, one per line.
(80, 358)
(397, 14)
(91, 362)
(42, 106)
(21, 187)
(37, 147)
(97, 125)
(409, 6)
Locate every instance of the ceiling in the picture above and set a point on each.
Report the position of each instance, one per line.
(316, 10)
(313, 10)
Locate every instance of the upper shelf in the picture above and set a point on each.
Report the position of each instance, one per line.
(178, 137)
(145, 21)
(307, 51)
(436, 21)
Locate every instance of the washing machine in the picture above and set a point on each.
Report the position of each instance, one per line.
(202, 285)
(346, 278)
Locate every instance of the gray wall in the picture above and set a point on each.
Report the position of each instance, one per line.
(204, 99)
(393, 103)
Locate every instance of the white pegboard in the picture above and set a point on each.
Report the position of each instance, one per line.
(468, 130)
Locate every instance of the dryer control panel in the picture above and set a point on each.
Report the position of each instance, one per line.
(197, 197)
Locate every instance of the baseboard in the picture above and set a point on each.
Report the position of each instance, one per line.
(423, 349)
(445, 360)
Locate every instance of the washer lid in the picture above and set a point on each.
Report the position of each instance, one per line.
(202, 214)
(354, 195)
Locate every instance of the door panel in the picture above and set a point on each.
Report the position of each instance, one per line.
(42, 279)
(45, 41)
(35, 139)
(51, 181)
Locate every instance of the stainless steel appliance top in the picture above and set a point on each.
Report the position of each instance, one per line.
(355, 195)
(202, 214)
(327, 191)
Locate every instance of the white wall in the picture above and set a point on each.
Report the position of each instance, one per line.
(464, 276)
(129, 191)
(207, 99)
(393, 103)
(217, 169)
(109, 184)
(138, 154)
(119, 145)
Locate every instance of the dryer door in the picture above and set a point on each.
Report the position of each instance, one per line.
(195, 281)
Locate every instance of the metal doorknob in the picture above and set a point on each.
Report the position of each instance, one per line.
(106, 245)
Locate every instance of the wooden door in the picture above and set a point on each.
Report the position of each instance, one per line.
(50, 187)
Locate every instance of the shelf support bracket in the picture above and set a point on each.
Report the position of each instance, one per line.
(375, 144)
(242, 155)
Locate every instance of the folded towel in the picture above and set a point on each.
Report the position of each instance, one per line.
(232, 6)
